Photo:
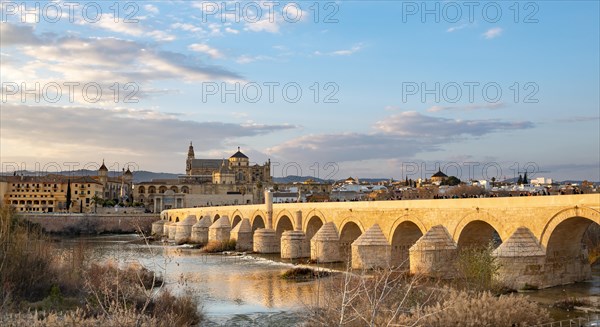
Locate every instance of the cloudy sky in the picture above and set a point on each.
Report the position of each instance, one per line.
(333, 89)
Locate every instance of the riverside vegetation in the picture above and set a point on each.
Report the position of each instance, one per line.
(391, 297)
(38, 288)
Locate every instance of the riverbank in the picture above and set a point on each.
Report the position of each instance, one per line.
(90, 224)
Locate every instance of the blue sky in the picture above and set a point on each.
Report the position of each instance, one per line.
(371, 62)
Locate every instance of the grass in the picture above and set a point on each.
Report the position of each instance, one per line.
(218, 246)
(303, 274)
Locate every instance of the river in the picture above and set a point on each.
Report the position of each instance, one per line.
(247, 290)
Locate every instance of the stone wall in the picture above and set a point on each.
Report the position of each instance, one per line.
(91, 223)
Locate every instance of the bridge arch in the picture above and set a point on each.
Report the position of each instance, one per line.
(258, 221)
(284, 223)
(236, 217)
(312, 226)
(564, 215)
(405, 232)
(566, 258)
(350, 230)
(479, 228)
(281, 214)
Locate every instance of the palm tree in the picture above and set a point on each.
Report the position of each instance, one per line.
(97, 200)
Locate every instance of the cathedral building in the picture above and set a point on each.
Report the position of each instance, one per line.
(208, 182)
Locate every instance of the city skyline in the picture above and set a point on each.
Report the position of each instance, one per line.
(383, 85)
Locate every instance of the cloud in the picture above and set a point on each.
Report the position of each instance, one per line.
(231, 30)
(457, 28)
(132, 26)
(579, 119)
(205, 48)
(403, 134)
(344, 52)
(103, 60)
(415, 125)
(151, 8)
(468, 107)
(12, 34)
(187, 27)
(246, 59)
(142, 133)
(493, 33)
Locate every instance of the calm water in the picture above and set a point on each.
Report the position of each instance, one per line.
(245, 290)
(234, 290)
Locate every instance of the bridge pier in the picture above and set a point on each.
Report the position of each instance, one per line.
(220, 230)
(242, 234)
(325, 245)
(293, 242)
(561, 270)
(265, 239)
(158, 228)
(434, 254)
(200, 231)
(184, 229)
(371, 250)
(172, 230)
(521, 261)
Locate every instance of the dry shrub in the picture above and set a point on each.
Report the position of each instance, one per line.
(464, 309)
(109, 286)
(218, 246)
(26, 271)
(391, 298)
(77, 318)
(303, 274)
(176, 311)
(123, 293)
(377, 299)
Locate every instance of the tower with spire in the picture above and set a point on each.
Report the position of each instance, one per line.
(190, 157)
(103, 173)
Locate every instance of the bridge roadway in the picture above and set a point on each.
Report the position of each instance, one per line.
(540, 236)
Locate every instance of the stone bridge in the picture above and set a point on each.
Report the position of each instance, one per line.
(538, 239)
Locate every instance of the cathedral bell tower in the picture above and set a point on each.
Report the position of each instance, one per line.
(190, 157)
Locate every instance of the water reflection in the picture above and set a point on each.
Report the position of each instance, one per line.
(237, 288)
(247, 291)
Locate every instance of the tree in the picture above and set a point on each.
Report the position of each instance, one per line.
(406, 180)
(525, 181)
(97, 201)
(68, 194)
(451, 181)
(520, 180)
(493, 181)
